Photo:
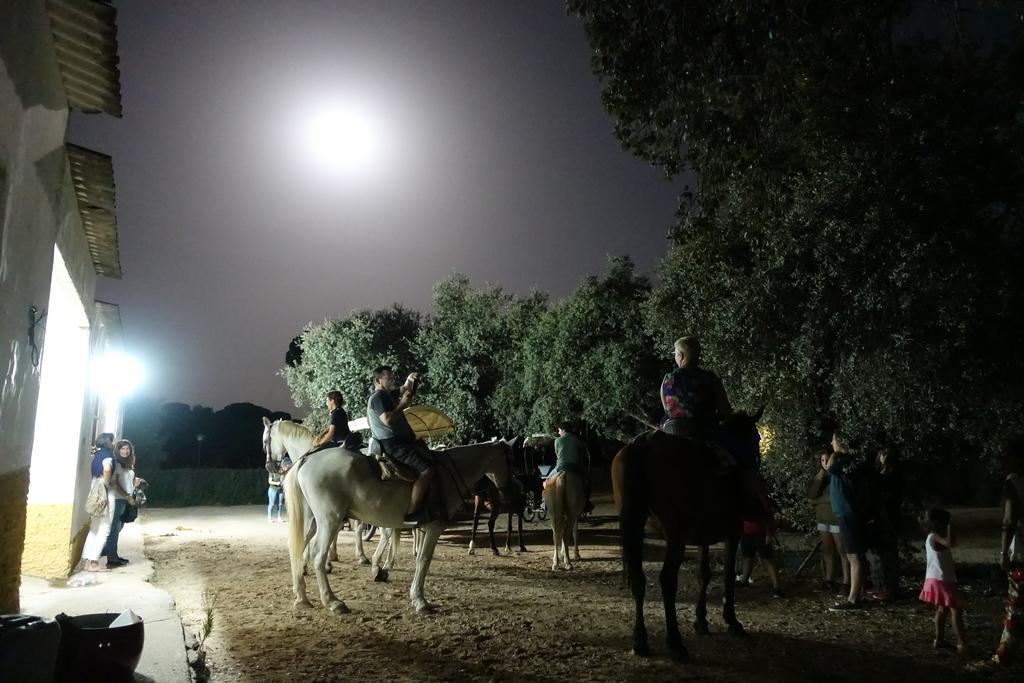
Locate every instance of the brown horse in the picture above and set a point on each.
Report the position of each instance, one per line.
(695, 499)
(487, 495)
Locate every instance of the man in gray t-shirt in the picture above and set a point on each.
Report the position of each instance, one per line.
(385, 411)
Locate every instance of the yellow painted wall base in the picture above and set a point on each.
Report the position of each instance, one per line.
(13, 493)
(48, 542)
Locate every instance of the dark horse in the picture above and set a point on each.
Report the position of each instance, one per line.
(697, 498)
(486, 494)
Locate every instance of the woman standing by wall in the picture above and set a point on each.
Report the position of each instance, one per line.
(123, 478)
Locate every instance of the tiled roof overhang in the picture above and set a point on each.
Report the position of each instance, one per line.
(92, 175)
(85, 40)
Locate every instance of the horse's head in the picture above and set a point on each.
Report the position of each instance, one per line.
(273, 446)
(738, 434)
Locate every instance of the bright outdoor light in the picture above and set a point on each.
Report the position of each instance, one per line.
(116, 374)
(341, 138)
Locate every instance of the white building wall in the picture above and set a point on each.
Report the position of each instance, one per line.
(38, 210)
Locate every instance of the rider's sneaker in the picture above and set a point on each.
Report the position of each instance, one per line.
(414, 519)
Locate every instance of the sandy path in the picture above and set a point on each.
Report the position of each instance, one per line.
(512, 618)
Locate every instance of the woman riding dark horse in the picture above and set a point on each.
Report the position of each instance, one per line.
(693, 398)
(695, 502)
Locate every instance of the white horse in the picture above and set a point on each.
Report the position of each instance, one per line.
(297, 443)
(565, 497)
(337, 483)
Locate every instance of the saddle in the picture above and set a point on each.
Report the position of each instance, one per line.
(707, 450)
(392, 469)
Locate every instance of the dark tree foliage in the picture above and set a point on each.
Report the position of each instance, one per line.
(175, 435)
(340, 355)
(589, 358)
(469, 348)
(294, 355)
(849, 254)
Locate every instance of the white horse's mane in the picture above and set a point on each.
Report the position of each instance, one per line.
(292, 429)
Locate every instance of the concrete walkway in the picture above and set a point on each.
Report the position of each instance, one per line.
(128, 587)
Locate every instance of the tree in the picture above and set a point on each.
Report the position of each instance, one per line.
(849, 253)
(341, 354)
(469, 349)
(144, 428)
(589, 357)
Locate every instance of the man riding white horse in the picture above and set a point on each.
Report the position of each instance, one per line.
(385, 411)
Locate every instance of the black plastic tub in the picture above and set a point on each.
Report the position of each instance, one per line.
(28, 648)
(91, 650)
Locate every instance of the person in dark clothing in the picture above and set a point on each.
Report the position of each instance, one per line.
(848, 488)
(385, 411)
(883, 553)
(337, 432)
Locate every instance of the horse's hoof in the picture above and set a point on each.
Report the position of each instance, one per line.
(303, 605)
(472, 551)
(339, 608)
(641, 650)
(679, 654)
(424, 609)
(495, 551)
(736, 629)
(381, 576)
(329, 568)
(523, 549)
(701, 628)
(363, 562)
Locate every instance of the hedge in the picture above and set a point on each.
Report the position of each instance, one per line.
(214, 486)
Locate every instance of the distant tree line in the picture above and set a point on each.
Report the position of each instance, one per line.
(849, 255)
(176, 435)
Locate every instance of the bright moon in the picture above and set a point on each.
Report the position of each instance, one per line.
(341, 139)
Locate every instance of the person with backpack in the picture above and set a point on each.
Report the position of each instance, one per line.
(848, 489)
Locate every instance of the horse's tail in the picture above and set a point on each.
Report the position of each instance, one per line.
(296, 531)
(630, 491)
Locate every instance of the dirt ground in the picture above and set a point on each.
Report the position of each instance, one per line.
(512, 618)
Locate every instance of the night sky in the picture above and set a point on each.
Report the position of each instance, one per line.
(490, 155)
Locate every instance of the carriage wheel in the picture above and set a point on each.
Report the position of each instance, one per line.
(529, 506)
(368, 531)
(542, 513)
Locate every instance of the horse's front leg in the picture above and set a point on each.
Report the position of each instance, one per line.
(576, 540)
(394, 538)
(519, 516)
(556, 537)
(431, 533)
(669, 585)
(728, 600)
(377, 571)
(325, 533)
(476, 522)
(490, 528)
(508, 535)
(357, 529)
(700, 623)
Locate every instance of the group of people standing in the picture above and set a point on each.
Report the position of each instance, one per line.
(858, 511)
(113, 465)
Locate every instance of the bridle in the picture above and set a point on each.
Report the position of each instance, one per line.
(266, 442)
